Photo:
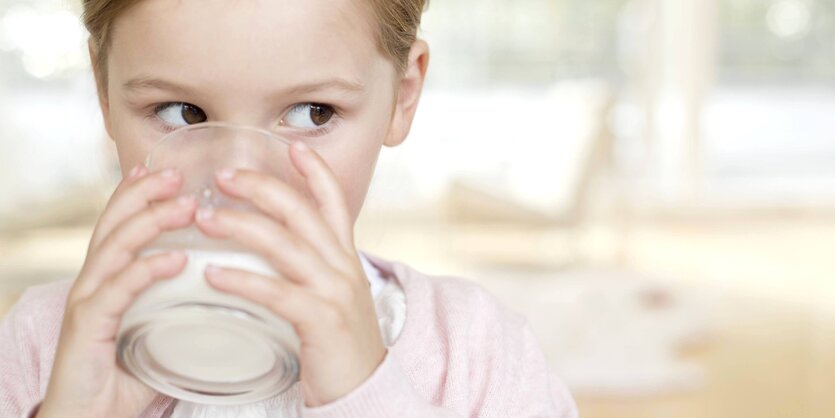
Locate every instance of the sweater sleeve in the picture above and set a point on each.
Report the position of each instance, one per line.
(386, 393)
(507, 377)
(541, 392)
(527, 389)
(19, 361)
(514, 377)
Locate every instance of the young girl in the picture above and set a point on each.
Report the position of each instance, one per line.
(341, 79)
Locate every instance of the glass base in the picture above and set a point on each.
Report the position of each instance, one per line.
(209, 354)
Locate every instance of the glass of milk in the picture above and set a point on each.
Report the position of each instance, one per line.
(184, 338)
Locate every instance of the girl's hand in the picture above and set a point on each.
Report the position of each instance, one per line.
(321, 289)
(86, 381)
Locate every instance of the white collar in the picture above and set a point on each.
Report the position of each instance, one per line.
(375, 280)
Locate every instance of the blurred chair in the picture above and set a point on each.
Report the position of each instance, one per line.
(558, 197)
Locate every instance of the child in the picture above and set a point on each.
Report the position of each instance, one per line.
(340, 78)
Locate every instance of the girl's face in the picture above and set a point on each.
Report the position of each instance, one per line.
(308, 70)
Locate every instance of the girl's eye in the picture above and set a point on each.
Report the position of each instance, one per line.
(308, 116)
(180, 114)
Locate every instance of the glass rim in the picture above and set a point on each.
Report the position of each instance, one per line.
(207, 125)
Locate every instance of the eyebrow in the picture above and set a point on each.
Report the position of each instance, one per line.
(346, 85)
(147, 83)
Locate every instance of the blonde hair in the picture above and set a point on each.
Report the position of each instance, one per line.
(398, 22)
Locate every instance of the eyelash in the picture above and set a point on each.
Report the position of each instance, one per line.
(153, 115)
(324, 129)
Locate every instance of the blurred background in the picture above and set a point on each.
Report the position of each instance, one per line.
(652, 182)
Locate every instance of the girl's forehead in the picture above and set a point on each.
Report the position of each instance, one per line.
(245, 41)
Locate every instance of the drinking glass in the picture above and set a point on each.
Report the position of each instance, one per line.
(182, 337)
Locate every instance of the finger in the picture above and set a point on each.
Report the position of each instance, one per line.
(326, 190)
(280, 201)
(137, 173)
(286, 253)
(133, 195)
(283, 297)
(119, 247)
(104, 308)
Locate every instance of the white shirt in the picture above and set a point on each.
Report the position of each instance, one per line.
(374, 279)
(390, 304)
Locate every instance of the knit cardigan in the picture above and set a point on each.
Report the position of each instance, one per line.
(460, 354)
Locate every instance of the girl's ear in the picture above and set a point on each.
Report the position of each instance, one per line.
(101, 86)
(409, 89)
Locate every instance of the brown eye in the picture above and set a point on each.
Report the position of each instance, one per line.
(320, 114)
(308, 116)
(193, 114)
(177, 114)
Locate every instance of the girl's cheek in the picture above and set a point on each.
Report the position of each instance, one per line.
(133, 142)
(354, 191)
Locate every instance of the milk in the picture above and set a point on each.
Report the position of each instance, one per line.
(181, 336)
(191, 284)
(197, 339)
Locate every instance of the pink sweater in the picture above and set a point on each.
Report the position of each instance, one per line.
(460, 354)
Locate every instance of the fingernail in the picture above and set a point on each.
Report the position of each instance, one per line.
(134, 173)
(212, 270)
(178, 254)
(300, 146)
(186, 200)
(205, 214)
(169, 173)
(226, 174)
